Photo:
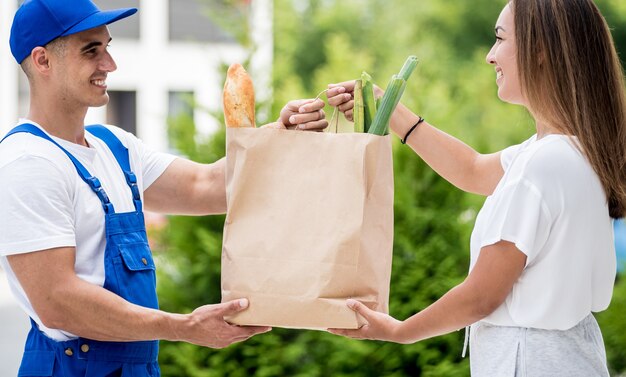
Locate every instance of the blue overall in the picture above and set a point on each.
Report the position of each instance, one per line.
(129, 273)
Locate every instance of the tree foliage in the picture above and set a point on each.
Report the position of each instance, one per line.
(322, 41)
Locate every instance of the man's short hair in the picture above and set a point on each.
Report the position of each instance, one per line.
(57, 47)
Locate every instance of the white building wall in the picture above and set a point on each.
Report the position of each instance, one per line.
(153, 66)
(9, 70)
(263, 55)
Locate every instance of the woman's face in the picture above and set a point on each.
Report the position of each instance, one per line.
(503, 56)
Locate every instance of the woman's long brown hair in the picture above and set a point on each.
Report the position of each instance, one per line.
(573, 79)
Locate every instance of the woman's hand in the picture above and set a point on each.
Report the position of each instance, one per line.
(341, 95)
(379, 326)
(304, 114)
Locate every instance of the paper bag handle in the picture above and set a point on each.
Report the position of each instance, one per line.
(334, 117)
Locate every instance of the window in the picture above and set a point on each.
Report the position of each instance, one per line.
(127, 28)
(122, 110)
(181, 126)
(190, 21)
(180, 104)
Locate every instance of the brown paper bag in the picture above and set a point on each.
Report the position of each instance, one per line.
(309, 225)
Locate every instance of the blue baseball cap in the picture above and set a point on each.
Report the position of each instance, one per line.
(39, 22)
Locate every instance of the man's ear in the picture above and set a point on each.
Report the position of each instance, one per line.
(40, 59)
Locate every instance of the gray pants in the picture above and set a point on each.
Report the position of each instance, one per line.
(497, 351)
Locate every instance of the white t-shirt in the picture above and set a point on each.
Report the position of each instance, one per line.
(45, 204)
(551, 205)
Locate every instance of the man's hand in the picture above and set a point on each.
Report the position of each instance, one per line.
(304, 114)
(206, 326)
(379, 326)
(64, 301)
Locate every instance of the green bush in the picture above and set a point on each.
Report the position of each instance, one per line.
(453, 88)
(613, 324)
(430, 256)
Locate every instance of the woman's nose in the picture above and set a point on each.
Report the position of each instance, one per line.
(491, 56)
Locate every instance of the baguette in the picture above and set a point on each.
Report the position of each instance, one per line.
(238, 98)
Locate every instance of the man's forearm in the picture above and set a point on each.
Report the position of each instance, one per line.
(210, 192)
(90, 311)
(189, 188)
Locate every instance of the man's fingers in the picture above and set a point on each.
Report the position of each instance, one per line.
(242, 333)
(308, 117)
(238, 334)
(296, 104)
(232, 307)
(310, 106)
(248, 331)
(212, 330)
(275, 125)
(311, 126)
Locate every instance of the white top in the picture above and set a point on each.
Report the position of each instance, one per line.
(45, 204)
(551, 205)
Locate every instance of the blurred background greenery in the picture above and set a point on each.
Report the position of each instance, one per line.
(323, 41)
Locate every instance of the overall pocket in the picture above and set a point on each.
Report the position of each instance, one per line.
(136, 275)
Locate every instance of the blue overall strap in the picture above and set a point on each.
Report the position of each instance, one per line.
(93, 182)
(120, 152)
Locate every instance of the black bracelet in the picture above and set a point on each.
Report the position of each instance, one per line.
(420, 120)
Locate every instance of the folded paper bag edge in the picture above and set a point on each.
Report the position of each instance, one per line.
(306, 313)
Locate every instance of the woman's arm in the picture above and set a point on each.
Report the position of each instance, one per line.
(498, 267)
(452, 159)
